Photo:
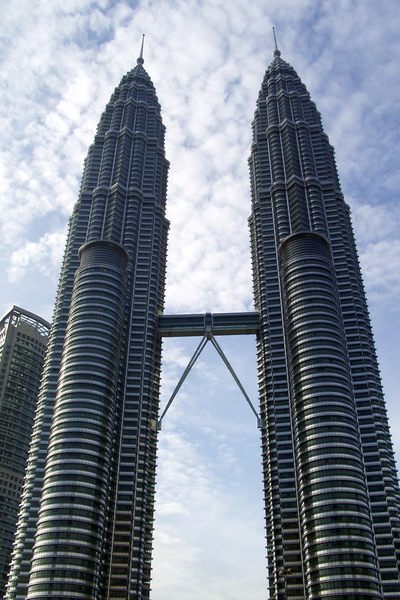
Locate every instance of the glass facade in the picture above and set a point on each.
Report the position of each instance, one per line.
(23, 340)
(85, 526)
(331, 491)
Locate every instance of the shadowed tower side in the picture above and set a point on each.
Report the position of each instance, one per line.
(331, 491)
(23, 340)
(85, 527)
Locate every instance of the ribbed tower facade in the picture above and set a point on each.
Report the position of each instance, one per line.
(331, 491)
(23, 340)
(85, 526)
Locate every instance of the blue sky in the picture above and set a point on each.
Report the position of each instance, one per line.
(60, 63)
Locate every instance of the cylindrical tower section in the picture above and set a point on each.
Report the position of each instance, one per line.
(68, 557)
(336, 532)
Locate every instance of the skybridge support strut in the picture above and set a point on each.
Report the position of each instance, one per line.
(185, 373)
(236, 378)
(208, 337)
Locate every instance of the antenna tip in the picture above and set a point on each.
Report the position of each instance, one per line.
(276, 51)
(140, 60)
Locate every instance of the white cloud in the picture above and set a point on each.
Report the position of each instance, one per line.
(202, 509)
(374, 222)
(43, 256)
(377, 233)
(380, 264)
(207, 75)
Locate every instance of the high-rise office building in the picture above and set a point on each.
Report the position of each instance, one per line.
(23, 340)
(89, 508)
(331, 491)
(332, 499)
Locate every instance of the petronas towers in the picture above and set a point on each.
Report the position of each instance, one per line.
(331, 493)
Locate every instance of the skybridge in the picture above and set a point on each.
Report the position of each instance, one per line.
(208, 326)
(238, 323)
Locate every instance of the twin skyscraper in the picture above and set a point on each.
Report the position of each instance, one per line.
(331, 493)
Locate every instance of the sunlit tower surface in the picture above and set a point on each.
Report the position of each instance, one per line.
(23, 340)
(85, 527)
(331, 489)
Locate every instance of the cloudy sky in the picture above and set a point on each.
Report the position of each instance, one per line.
(60, 62)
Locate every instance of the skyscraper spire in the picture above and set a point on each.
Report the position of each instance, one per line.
(114, 267)
(140, 60)
(276, 51)
(332, 497)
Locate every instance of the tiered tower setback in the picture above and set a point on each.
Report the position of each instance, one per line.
(85, 527)
(331, 491)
